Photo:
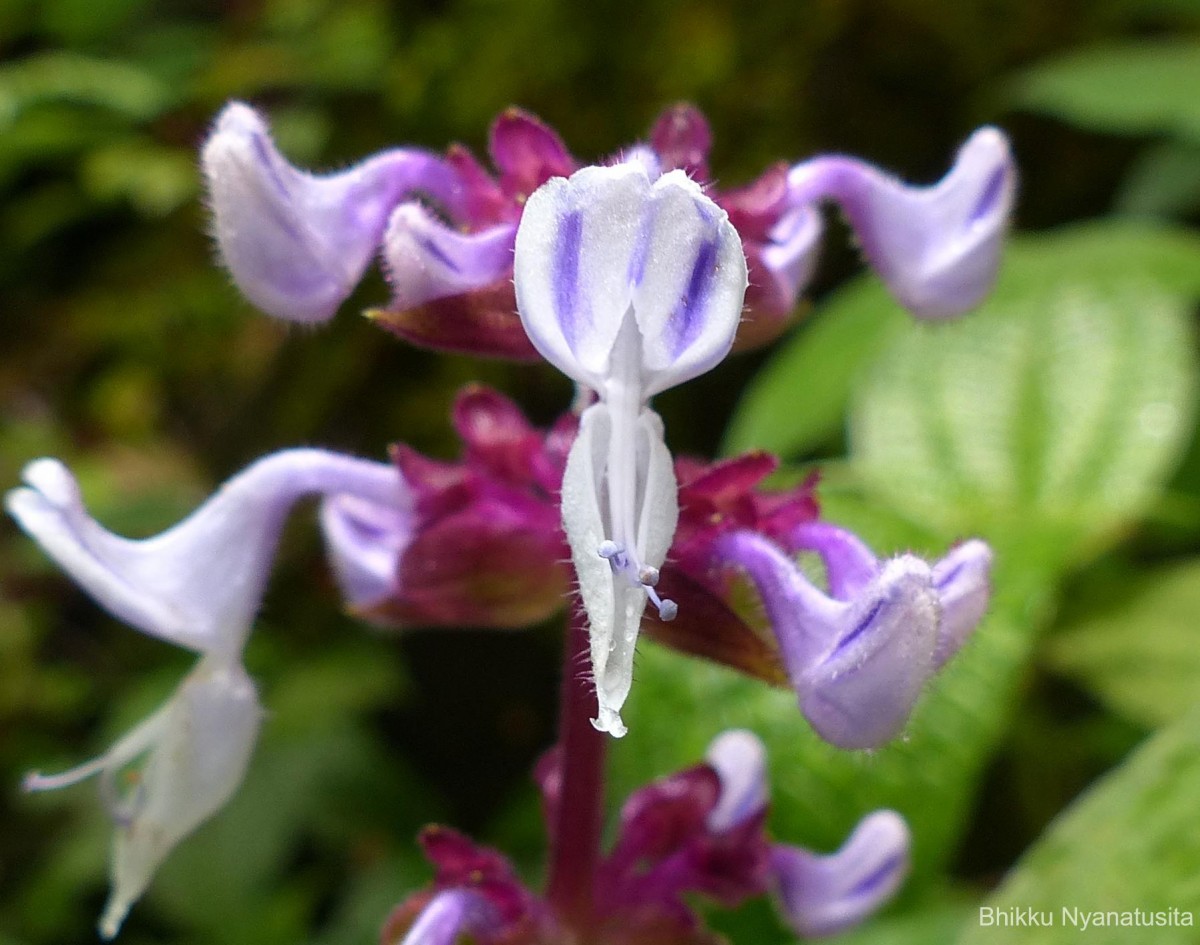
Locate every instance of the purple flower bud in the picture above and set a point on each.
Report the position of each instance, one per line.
(527, 153)
(295, 243)
(857, 665)
(937, 248)
(480, 543)
(697, 831)
(823, 895)
(476, 894)
(681, 138)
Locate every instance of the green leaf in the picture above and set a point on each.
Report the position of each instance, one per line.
(1138, 652)
(1048, 419)
(1129, 843)
(71, 77)
(797, 402)
(1134, 88)
(154, 179)
(819, 792)
(1164, 181)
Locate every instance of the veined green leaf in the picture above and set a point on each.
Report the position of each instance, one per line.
(1130, 843)
(1048, 419)
(1133, 88)
(797, 402)
(1140, 653)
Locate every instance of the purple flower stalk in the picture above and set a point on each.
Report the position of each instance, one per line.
(296, 244)
(630, 278)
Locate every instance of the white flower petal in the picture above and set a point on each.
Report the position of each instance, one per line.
(607, 241)
(193, 767)
(614, 602)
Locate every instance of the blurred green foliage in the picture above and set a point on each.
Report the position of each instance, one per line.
(1059, 422)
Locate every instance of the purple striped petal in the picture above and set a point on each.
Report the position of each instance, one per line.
(365, 542)
(962, 581)
(857, 665)
(296, 244)
(608, 242)
(937, 248)
(861, 693)
(198, 584)
(823, 895)
(427, 260)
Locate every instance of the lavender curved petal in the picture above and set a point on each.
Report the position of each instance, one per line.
(199, 583)
(790, 254)
(861, 693)
(823, 895)
(857, 665)
(962, 581)
(426, 260)
(937, 248)
(740, 760)
(365, 542)
(805, 621)
(295, 243)
(849, 564)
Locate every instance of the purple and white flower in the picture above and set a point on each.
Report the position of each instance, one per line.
(296, 244)
(629, 285)
(859, 655)
(197, 585)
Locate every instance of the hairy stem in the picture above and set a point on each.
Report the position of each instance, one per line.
(579, 819)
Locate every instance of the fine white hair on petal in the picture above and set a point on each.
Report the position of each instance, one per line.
(615, 605)
(296, 243)
(936, 248)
